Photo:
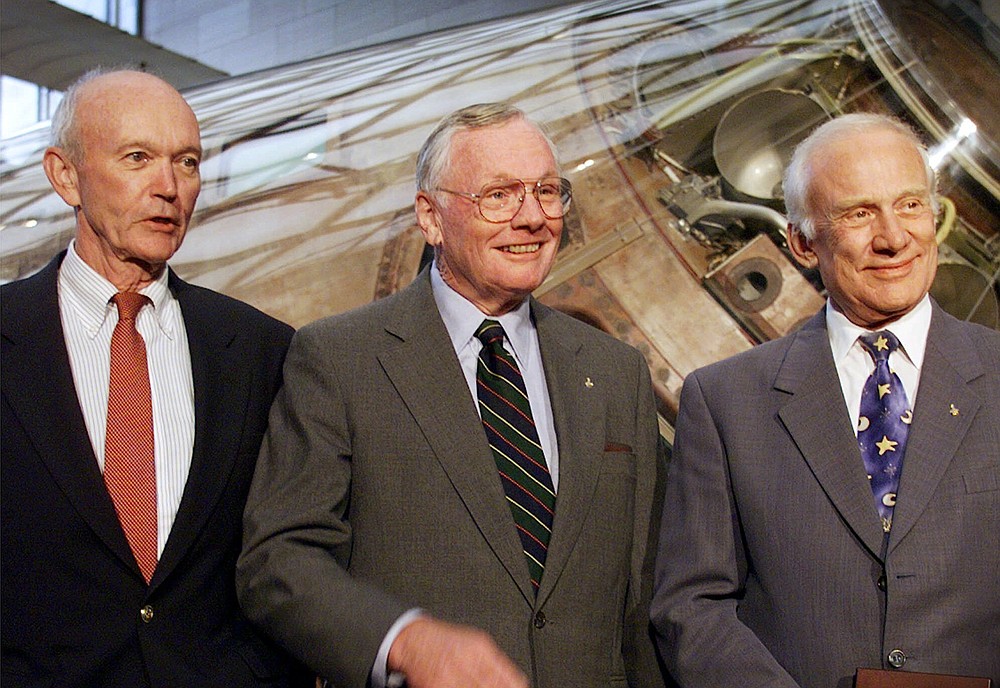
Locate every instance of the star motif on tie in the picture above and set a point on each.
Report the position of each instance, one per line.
(881, 343)
(885, 445)
(883, 390)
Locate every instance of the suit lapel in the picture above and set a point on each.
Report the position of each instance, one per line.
(43, 396)
(808, 373)
(221, 391)
(433, 388)
(576, 416)
(950, 362)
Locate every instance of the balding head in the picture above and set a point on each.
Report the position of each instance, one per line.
(126, 156)
(113, 88)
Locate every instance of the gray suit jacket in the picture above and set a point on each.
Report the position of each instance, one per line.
(771, 570)
(376, 492)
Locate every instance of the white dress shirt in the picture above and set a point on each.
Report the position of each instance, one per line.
(855, 365)
(88, 318)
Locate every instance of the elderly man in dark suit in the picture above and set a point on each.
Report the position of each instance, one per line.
(834, 497)
(457, 483)
(122, 501)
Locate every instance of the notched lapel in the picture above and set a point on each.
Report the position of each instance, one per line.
(942, 415)
(221, 394)
(808, 373)
(578, 414)
(432, 386)
(39, 385)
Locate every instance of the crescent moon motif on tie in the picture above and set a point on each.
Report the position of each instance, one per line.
(863, 423)
(907, 417)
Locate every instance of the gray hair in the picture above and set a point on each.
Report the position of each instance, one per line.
(63, 132)
(434, 154)
(798, 175)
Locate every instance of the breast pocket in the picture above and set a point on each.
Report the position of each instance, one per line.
(982, 479)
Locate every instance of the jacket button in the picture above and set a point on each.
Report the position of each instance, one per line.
(896, 659)
(146, 613)
(540, 620)
(881, 583)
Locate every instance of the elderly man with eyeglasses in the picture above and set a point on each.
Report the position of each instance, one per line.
(457, 486)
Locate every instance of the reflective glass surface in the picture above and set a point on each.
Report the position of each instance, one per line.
(673, 120)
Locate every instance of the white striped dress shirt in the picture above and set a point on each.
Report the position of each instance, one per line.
(88, 319)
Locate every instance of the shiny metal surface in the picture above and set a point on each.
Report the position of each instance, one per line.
(306, 208)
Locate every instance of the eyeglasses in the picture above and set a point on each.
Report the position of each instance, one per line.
(501, 200)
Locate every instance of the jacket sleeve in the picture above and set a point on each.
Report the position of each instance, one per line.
(701, 564)
(292, 575)
(642, 665)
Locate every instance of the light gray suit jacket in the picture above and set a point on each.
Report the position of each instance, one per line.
(376, 492)
(771, 569)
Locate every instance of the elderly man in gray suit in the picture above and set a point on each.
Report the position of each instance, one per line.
(458, 484)
(835, 504)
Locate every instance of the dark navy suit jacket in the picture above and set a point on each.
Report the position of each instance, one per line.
(75, 609)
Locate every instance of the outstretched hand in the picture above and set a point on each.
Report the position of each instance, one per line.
(436, 654)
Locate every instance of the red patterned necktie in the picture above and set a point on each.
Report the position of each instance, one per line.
(129, 469)
(510, 429)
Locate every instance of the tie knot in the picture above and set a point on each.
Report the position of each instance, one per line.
(490, 333)
(129, 304)
(879, 344)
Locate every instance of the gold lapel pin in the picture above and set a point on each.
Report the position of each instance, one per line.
(588, 383)
(953, 411)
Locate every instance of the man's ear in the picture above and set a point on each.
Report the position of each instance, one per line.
(801, 247)
(428, 218)
(62, 175)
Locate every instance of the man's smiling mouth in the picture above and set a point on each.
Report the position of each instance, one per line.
(522, 248)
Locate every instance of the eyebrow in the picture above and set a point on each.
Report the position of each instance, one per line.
(867, 200)
(507, 177)
(152, 145)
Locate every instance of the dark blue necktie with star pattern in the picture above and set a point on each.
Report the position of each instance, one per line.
(883, 424)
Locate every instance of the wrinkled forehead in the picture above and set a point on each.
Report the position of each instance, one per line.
(516, 149)
(134, 92)
(877, 164)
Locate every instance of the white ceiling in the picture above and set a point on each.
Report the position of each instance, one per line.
(51, 45)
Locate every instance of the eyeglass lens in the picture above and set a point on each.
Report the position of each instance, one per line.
(501, 201)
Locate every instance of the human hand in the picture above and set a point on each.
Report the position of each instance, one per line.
(436, 654)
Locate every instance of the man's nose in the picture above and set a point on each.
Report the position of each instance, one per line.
(529, 216)
(890, 233)
(165, 181)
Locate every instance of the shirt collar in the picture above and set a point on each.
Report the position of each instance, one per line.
(90, 293)
(462, 318)
(911, 331)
